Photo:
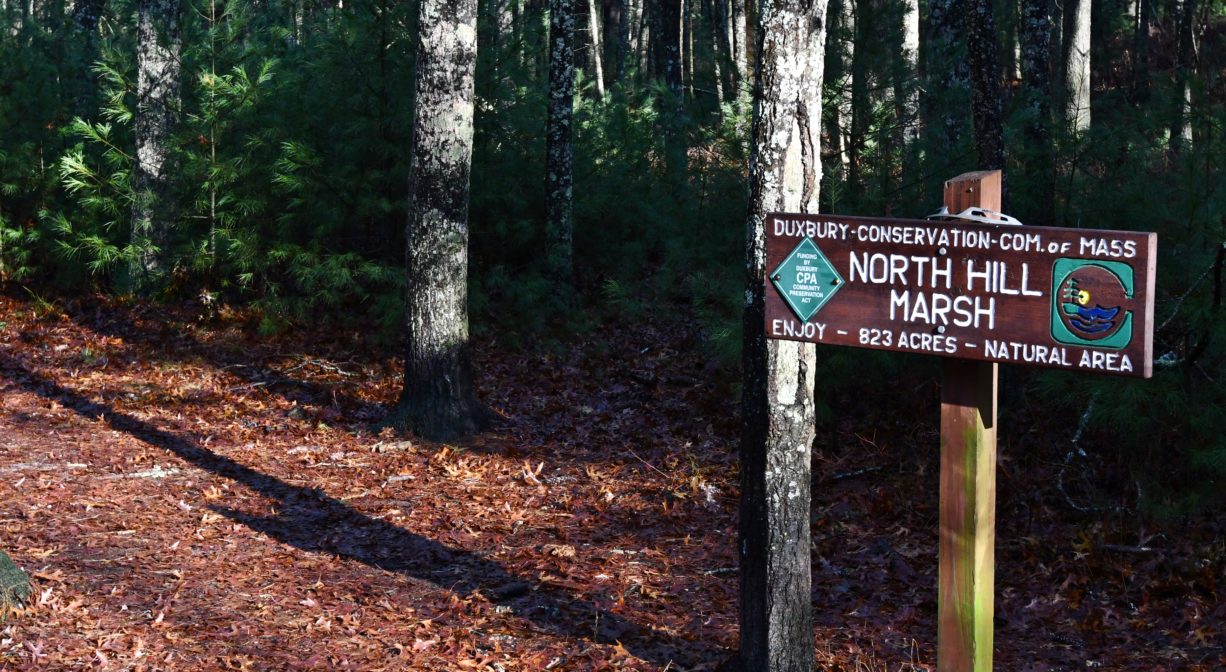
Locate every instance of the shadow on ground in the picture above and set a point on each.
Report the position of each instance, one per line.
(312, 521)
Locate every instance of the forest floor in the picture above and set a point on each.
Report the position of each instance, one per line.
(190, 497)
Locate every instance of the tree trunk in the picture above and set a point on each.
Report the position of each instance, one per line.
(593, 26)
(1076, 65)
(906, 89)
(985, 85)
(559, 174)
(157, 108)
(620, 19)
(666, 36)
(1035, 38)
(439, 402)
(85, 16)
(724, 57)
(687, 46)
(711, 10)
(740, 43)
(949, 74)
(87, 13)
(840, 44)
(778, 415)
(14, 586)
(861, 111)
(1140, 52)
(906, 93)
(647, 42)
(1181, 129)
(666, 39)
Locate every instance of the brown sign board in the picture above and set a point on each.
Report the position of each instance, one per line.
(1076, 299)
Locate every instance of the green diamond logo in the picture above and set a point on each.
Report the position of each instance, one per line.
(806, 280)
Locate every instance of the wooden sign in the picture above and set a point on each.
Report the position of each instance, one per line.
(1067, 298)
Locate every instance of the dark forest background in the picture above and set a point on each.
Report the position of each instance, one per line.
(289, 152)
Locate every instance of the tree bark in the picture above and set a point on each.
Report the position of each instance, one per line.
(861, 111)
(85, 16)
(687, 47)
(906, 92)
(711, 9)
(666, 39)
(948, 73)
(641, 41)
(157, 108)
(15, 587)
(740, 42)
(724, 56)
(1076, 65)
(559, 151)
(778, 416)
(985, 85)
(1035, 38)
(1181, 129)
(1140, 52)
(87, 13)
(620, 19)
(840, 43)
(593, 24)
(439, 401)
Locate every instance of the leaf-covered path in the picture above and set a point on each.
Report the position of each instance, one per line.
(196, 498)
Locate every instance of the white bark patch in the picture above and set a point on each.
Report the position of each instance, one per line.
(793, 172)
(787, 372)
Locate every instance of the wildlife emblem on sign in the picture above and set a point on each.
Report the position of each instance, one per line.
(1092, 303)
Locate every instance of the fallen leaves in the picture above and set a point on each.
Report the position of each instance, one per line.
(202, 500)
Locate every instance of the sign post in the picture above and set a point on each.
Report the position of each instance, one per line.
(967, 545)
(977, 291)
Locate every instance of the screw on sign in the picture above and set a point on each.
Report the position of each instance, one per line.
(976, 290)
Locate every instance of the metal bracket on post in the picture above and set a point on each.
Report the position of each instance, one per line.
(980, 215)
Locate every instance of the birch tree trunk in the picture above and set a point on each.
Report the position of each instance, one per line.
(740, 43)
(1076, 65)
(157, 106)
(1034, 33)
(724, 57)
(640, 45)
(778, 415)
(559, 154)
(985, 85)
(439, 402)
(712, 10)
(593, 26)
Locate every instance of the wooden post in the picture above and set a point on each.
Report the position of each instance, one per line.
(968, 483)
